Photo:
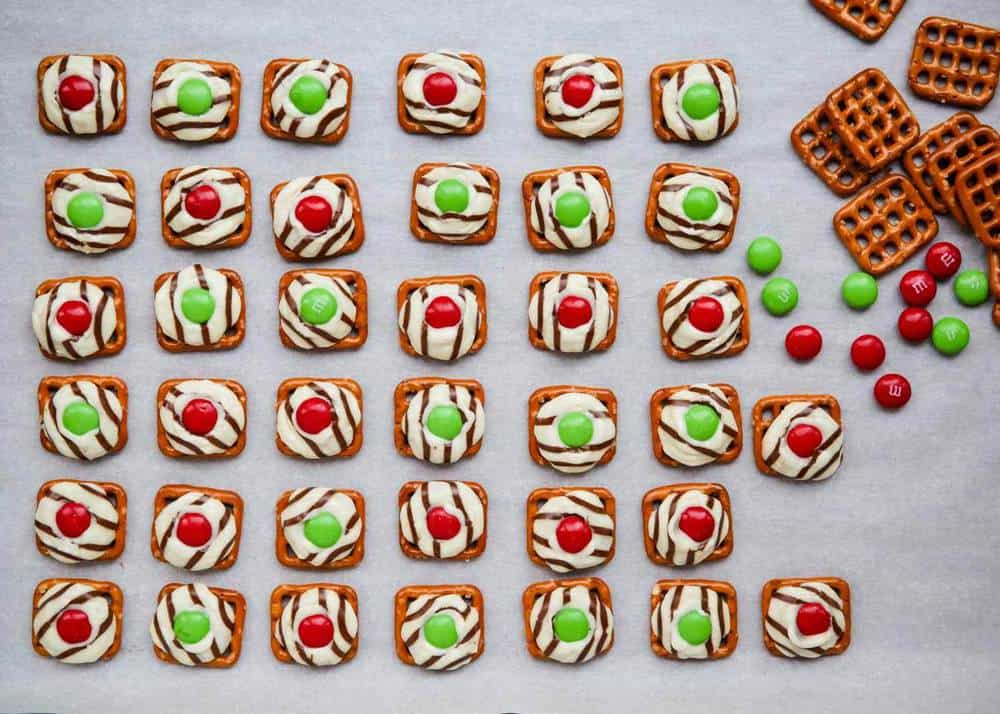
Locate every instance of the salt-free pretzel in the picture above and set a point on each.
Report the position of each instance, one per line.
(823, 151)
(867, 20)
(113, 494)
(946, 163)
(918, 156)
(284, 594)
(737, 346)
(413, 126)
(544, 121)
(226, 127)
(234, 239)
(546, 394)
(651, 502)
(113, 297)
(885, 224)
(48, 591)
(193, 451)
(955, 62)
(346, 184)
(288, 386)
(47, 389)
(359, 325)
(118, 95)
(597, 589)
(275, 71)
(668, 171)
(661, 75)
(282, 548)
(473, 600)
(538, 498)
(224, 659)
(483, 235)
(725, 591)
(54, 180)
(232, 338)
(661, 396)
(409, 388)
(872, 119)
(767, 409)
(533, 182)
(469, 282)
(838, 585)
(234, 506)
(605, 280)
(978, 190)
(473, 549)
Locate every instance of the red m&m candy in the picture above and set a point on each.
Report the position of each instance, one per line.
(573, 534)
(314, 415)
(74, 317)
(918, 288)
(199, 416)
(867, 352)
(439, 88)
(804, 439)
(441, 524)
(573, 312)
(892, 391)
(915, 324)
(316, 630)
(442, 311)
(698, 523)
(314, 213)
(943, 260)
(803, 342)
(73, 626)
(72, 519)
(193, 529)
(202, 202)
(76, 92)
(578, 89)
(812, 619)
(706, 314)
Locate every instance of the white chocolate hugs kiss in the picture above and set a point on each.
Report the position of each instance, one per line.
(573, 459)
(325, 120)
(205, 232)
(96, 442)
(582, 504)
(824, 461)
(781, 619)
(307, 503)
(681, 230)
(601, 109)
(176, 326)
(298, 239)
(456, 114)
(681, 600)
(327, 603)
(468, 626)
(229, 424)
(216, 643)
(446, 343)
(101, 533)
(310, 336)
(672, 430)
(719, 122)
(95, 604)
(671, 542)
(220, 545)
(187, 127)
(55, 340)
(116, 214)
(456, 499)
(600, 620)
(99, 113)
(454, 226)
(338, 435)
(428, 446)
(590, 229)
(683, 335)
(543, 313)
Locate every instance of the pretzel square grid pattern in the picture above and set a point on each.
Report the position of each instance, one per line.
(232, 338)
(469, 282)
(242, 234)
(283, 550)
(230, 499)
(163, 440)
(670, 170)
(546, 394)
(102, 586)
(48, 387)
(107, 285)
(229, 124)
(288, 386)
(917, 157)
(654, 497)
(533, 182)
(726, 591)
(280, 597)
(483, 235)
(359, 293)
(538, 498)
(955, 62)
(767, 409)
(272, 128)
(117, 495)
(978, 189)
(825, 154)
(470, 593)
(659, 77)
(53, 179)
(945, 165)
(839, 585)
(549, 127)
(229, 597)
(346, 184)
(659, 398)
(735, 348)
(866, 19)
(607, 281)
(412, 126)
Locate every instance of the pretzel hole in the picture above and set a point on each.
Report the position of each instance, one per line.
(849, 224)
(951, 37)
(767, 414)
(861, 242)
(875, 258)
(846, 178)
(871, 23)
(832, 166)
(984, 67)
(890, 249)
(940, 82)
(880, 200)
(977, 88)
(946, 59)
(878, 231)
(896, 190)
(969, 41)
(863, 136)
(864, 214)
(933, 33)
(965, 64)
(918, 161)
(989, 46)
(883, 6)
(909, 207)
(855, 12)
(893, 219)
(807, 136)
(921, 225)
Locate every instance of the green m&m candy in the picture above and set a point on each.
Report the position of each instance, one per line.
(763, 255)
(571, 624)
(445, 421)
(317, 306)
(79, 418)
(950, 336)
(859, 290)
(701, 100)
(85, 210)
(308, 94)
(451, 196)
(198, 305)
(191, 626)
(322, 530)
(194, 96)
(575, 429)
(972, 288)
(780, 296)
(572, 208)
(700, 203)
(701, 422)
(440, 631)
(694, 627)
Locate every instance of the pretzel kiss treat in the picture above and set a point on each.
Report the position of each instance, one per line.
(206, 207)
(195, 100)
(201, 418)
(198, 626)
(454, 203)
(441, 92)
(572, 312)
(572, 429)
(692, 208)
(799, 437)
(806, 617)
(704, 318)
(439, 420)
(571, 529)
(693, 619)
(694, 100)
(83, 417)
(322, 528)
(323, 309)
(442, 519)
(199, 309)
(81, 94)
(579, 96)
(306, 100)
(568, 209)
(439, 627)
(76, 621)
(90, 210)
(80, 521)
(80, 317)
(568, 621)
(317, 217)
(197, 528)
(319, 418)
(687, 523)
(443, 318)
(314, 625)
(695, 425)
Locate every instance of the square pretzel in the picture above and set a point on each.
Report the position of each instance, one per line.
(917, 157)
(540, 589)
(530, 186)
(359, 287)
(230, 123)
(872, 119)
(654, 497)
(537, 499)
(116, 495)
(102, 586)
(767, 408)
(229, 340)
(161, 433)
(113, 289)
(234, 240)
(290, 385)
(116, 64)
(470, 593)
(670, 170)
(546, 394)
(734, 349)
(659, 77)
(955, 62)
(471, 282)
(542, 119)
(287, 557)
(348, 186)
(50, 385)
(273, 129)
(825, 154)
(606, 280)
(945, 165)
(406, 390)
(660, 396)
(885, 224)
(227, 596)
(472, 550)
(53, 179)
(839, 585)
(867, 20)
(230, 499)
(411, 126)
(483, 235)
(993, 271)
(978, 189)
(280, 597)
(724, 589)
